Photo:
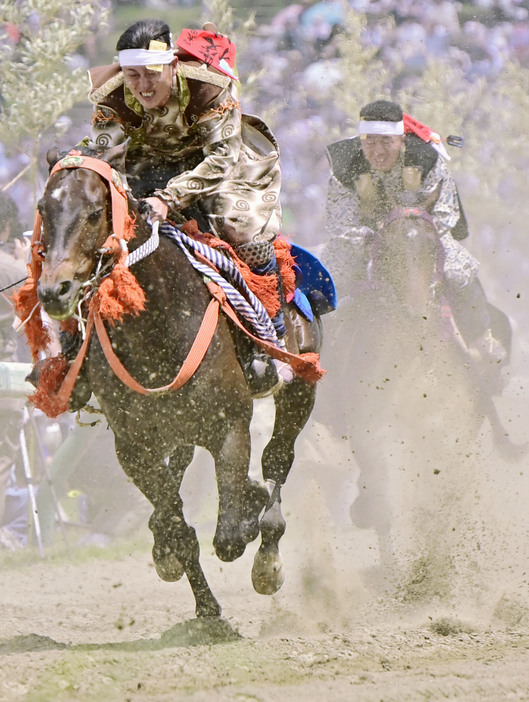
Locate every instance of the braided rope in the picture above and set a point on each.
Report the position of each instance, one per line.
(245, 303)
(146, 248)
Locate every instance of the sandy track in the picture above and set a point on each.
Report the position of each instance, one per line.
(104, 627)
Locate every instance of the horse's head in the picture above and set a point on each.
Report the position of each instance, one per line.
(407, 256)
(76, 212)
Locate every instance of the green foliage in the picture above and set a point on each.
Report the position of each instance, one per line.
(220, 12)
(365, 77)
(38, 82)
(489, 112)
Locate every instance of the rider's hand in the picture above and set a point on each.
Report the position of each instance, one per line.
(359, 234)
(21, 249)
(158, 209)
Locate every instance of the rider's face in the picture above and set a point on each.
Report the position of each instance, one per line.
(151, 88)
(382, 151)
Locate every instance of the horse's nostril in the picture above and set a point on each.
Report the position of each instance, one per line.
(64, 288)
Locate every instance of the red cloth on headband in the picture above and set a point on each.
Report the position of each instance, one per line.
(216, 50)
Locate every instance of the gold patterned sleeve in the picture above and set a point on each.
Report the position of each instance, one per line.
(446, 210)
(342, 209)
(219, 133)
(106, 127)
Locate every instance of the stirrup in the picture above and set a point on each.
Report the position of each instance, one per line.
(262, 376)
(487, 349)
(284, 370)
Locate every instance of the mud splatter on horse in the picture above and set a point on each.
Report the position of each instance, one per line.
(156, 432)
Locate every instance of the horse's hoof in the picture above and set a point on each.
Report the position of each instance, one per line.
(168, 567)
(228, 551)
(228, 543)
(267, 572)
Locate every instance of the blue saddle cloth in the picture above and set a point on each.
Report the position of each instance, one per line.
(315, 291)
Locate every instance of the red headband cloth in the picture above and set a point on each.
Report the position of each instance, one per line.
(214, 49)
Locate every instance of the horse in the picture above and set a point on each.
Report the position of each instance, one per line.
(411, 403)
(156, 432)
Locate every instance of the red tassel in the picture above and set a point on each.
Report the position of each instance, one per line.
(285, 261)
(25, 300)
(310, 370)
(120, 294)
(129, 225)
(129, 292)
(263, 286)
(52, 374)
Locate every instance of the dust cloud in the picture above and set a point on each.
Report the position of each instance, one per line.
(443, 532)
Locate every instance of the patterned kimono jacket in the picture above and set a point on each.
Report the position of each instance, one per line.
(359, 198)
(197, 153)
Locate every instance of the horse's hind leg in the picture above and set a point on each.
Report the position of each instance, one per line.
(294, 405)
(176, 549)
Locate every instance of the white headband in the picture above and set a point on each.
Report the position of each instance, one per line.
(144, 57)
(384, 128)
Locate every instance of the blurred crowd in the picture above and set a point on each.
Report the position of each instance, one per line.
(478, 35)
(296, 55)
(299, 53)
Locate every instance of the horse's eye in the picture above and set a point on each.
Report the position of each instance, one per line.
(95, 216)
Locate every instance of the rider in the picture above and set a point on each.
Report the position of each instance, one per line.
(389, 164)
(192, 152)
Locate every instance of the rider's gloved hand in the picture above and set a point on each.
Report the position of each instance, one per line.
(359, 234)
(157, 209)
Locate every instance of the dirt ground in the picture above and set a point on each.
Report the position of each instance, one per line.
(98, 624)
(104, 627)
(110, 630)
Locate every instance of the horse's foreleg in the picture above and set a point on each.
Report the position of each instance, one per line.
(293, 408)
(176, 549)
(234, 523)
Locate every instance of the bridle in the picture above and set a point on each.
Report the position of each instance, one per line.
(419, 214)
(117, 242)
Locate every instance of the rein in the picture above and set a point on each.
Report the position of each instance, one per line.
(12, 285)
(403, 212)
(219, 301)
(191, 363)
(421, 214)
(306, 365)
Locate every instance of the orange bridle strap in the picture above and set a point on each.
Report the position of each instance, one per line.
(121, 220)
(305, 365)
(192, 361)
(120, 205)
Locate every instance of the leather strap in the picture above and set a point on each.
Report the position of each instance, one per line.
(191, 363)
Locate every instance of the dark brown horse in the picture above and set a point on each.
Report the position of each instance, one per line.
(410, 401)
(156, 434)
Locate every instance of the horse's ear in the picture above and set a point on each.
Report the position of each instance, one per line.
(53, 155)
(115, 155)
